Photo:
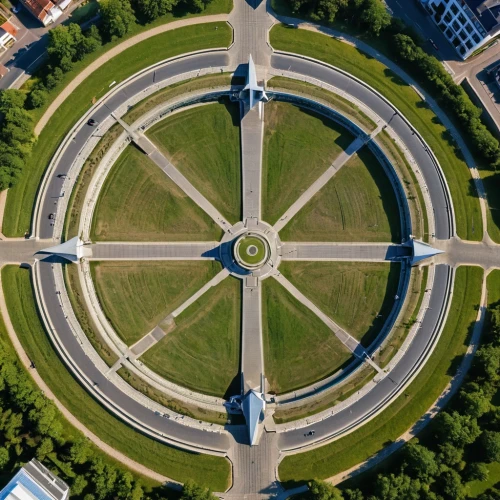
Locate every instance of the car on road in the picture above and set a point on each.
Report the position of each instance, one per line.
(433, 43)
(92, 122)
(51, 216)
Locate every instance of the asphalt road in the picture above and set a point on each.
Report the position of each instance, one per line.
(54, 188)
(171, 428)
(382, 392)
(386, 112)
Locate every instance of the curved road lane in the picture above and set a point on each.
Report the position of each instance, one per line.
(53, 192)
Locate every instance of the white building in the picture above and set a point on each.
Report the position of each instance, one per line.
(35, 482)
(467, 24)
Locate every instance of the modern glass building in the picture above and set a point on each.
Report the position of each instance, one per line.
(467, 24)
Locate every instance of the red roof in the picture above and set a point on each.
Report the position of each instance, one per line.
(9, 28)
(38, 8)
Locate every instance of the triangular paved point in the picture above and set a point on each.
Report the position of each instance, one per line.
(421, 251)
(72, 250)
(253, 94)
(254, 408)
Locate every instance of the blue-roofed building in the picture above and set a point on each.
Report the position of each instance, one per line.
(35, 481)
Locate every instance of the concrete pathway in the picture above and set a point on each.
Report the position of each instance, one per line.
(189, 189)
(371, 252)
(168, 323)
(196, 250)
(349, 342)
(18, 250)
(252, 353)
(459, 253)
(252, 135)
(305, 197)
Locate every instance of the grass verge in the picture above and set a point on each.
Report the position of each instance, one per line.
(21, 198)
(299, 348)
(179, 465)
(356, 447)
(402, 95)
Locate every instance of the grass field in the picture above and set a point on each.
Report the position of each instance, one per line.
(76, 297)
(353, 294)
(491, 182)
(203, 351)
(342, 55)
(299, 348)
(405, 411)
(174, 463)
(329, 399)
(204, 144)
(136, 296)
(138, 202)
(298, 147)
(20, 199)
(340, 104)
(340, 213)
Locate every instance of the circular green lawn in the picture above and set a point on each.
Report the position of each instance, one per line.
(251, 250)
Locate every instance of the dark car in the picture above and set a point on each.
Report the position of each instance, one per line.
(92, 122)
(51, 216)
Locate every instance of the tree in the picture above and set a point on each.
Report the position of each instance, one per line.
(62, 46)
(450, 455)
(490, 441)
(80, 451)
(4, 457)
(477, 471)
(152, 9)
(475, 404)
(405, 47)
(117, 17)
(324, 491)
(353, 494)
(11, 167)
(38, 98)
(45, 447)
(451, 485)
(457, 429)
(193, 491)
(11, 98)
(419, 461)
(78, 485)
(396, 487)
(375, 16)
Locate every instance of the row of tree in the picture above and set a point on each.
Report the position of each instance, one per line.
(31, 426)
(373, 17)
(67, 45)
(456, 449)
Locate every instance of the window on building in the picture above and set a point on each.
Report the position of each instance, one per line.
(462, 18)
(461, 49)
(447, 17)
(449, 34)
(442, 26)
(469, 28)
(455, 26)
(455, 41)
(476, 37)
(469, 44)
(454, 9)
(462, 34)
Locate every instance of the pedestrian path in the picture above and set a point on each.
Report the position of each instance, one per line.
(339, 162)
(155, 251)
(371, 252)
(252, 355)
(252, 134)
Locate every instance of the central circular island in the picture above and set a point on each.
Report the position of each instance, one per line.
(251, 251)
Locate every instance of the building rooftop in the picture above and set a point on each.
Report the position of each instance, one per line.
(9, 28)
(35, 482)
(486, 11)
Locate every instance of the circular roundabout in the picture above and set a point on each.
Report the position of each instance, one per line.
(281, 294)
